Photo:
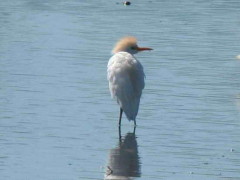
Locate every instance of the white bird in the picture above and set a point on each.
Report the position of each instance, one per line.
(126, 77)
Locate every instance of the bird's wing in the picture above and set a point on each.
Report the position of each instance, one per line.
(126, 81)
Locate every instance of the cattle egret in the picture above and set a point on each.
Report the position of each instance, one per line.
(126, 77)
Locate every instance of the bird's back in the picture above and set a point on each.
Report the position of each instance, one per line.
(126, 82)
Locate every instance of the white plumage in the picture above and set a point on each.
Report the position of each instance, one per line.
(126, 77)
(126, 82)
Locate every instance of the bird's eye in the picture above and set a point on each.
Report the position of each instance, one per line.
(133, 48)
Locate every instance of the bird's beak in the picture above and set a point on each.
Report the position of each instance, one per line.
(144, 49)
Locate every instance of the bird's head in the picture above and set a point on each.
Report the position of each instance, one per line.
(128, 44)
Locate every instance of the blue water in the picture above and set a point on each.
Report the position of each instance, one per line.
(58, 122)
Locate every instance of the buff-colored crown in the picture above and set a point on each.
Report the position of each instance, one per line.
(124, 43)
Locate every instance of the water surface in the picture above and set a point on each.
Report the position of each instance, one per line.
(57, 120)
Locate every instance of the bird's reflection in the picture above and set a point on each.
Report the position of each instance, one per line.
(124, 163)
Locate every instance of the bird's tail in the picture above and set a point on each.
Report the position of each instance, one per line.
(131, 109)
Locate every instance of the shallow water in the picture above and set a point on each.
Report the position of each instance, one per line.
(57, 120)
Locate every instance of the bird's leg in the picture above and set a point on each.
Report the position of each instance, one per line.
(135, 124)
(119, 134)
(134, 130)
(120, 117)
